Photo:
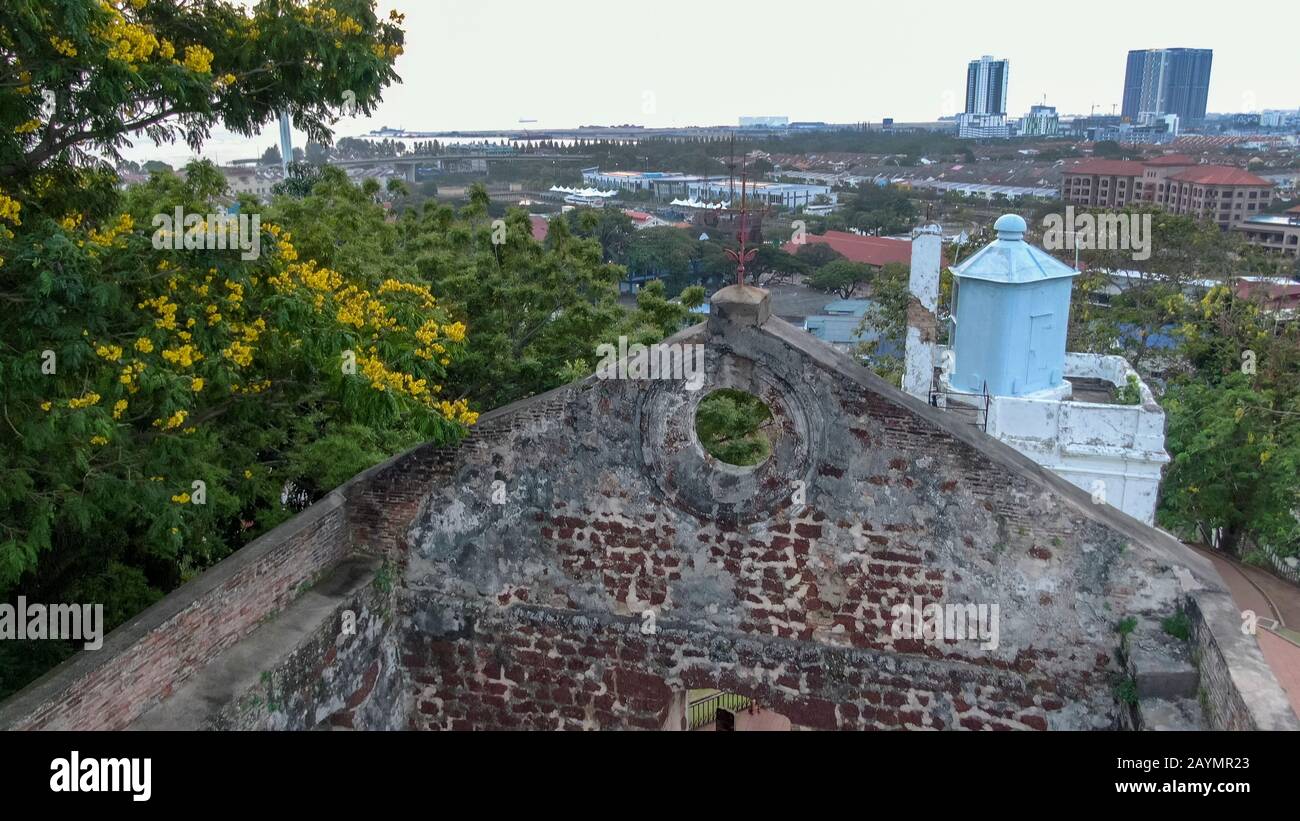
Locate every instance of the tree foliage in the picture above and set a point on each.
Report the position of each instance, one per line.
(730, 426)
(81, 75)
(841, 276)
(1234, 427)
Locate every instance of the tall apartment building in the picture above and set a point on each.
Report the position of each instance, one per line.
(1167, 81)
(986, 86)
(1176, 183)
(985, 116)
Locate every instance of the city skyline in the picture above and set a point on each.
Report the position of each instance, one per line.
(487, 64)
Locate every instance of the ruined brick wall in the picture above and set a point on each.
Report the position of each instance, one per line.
(525, 613)
(142, 662)
(526, 667)
(521, 566)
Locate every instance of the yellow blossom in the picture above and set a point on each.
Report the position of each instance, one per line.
(64, 47)
(198, 59)
(10, 209)
(172, 422)
(84, 401)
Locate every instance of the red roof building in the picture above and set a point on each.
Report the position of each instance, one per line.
(1169, 160)
(877, 251)
(1175, 182)
(1107, 168)
(1277, 296)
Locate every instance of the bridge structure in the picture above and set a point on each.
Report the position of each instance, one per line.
(457, 161)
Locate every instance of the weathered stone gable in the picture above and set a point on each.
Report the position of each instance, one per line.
(611, 508)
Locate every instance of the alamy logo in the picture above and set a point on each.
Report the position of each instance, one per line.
(1098, 232)
(671, 360)
(77, 774)
(66, 622)
(936, 623)
(212, 232)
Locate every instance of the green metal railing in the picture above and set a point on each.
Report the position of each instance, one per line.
(705, 710)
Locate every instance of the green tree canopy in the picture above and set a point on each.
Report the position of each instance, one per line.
(841, 277)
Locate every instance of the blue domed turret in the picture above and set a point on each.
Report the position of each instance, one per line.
(1011, 308)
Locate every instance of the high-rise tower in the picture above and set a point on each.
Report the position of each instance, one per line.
(1167, 81)
(986, 86)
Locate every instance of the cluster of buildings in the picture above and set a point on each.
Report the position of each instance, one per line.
(1165, 89)
(985, 114)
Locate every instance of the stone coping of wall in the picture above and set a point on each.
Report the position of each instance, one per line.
(208, 585)
(240, 667)
(734, 315)
(1250, 698)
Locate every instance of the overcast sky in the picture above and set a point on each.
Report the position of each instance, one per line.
(485, 64)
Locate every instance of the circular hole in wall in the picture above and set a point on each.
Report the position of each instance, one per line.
(730, 425)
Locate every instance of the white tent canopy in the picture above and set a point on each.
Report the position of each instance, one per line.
(582, 192)
(693, 203)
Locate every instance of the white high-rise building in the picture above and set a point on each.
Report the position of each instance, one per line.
(985, 116)
(986, 86)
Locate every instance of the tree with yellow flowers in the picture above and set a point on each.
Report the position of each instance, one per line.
(161, 407)
(154, 404)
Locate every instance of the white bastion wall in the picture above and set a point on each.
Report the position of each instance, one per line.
(1115, 452)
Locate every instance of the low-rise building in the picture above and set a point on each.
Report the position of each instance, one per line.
(663, 185)
(788, 195)
(841, 326)
(1278, 232)
(1177, 183)
(1100, 183)
(983, 127)
(875, 251)
(255, 180)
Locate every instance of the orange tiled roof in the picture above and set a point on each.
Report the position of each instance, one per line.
(1220, 175)
(877, 251)
(1106, 168)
